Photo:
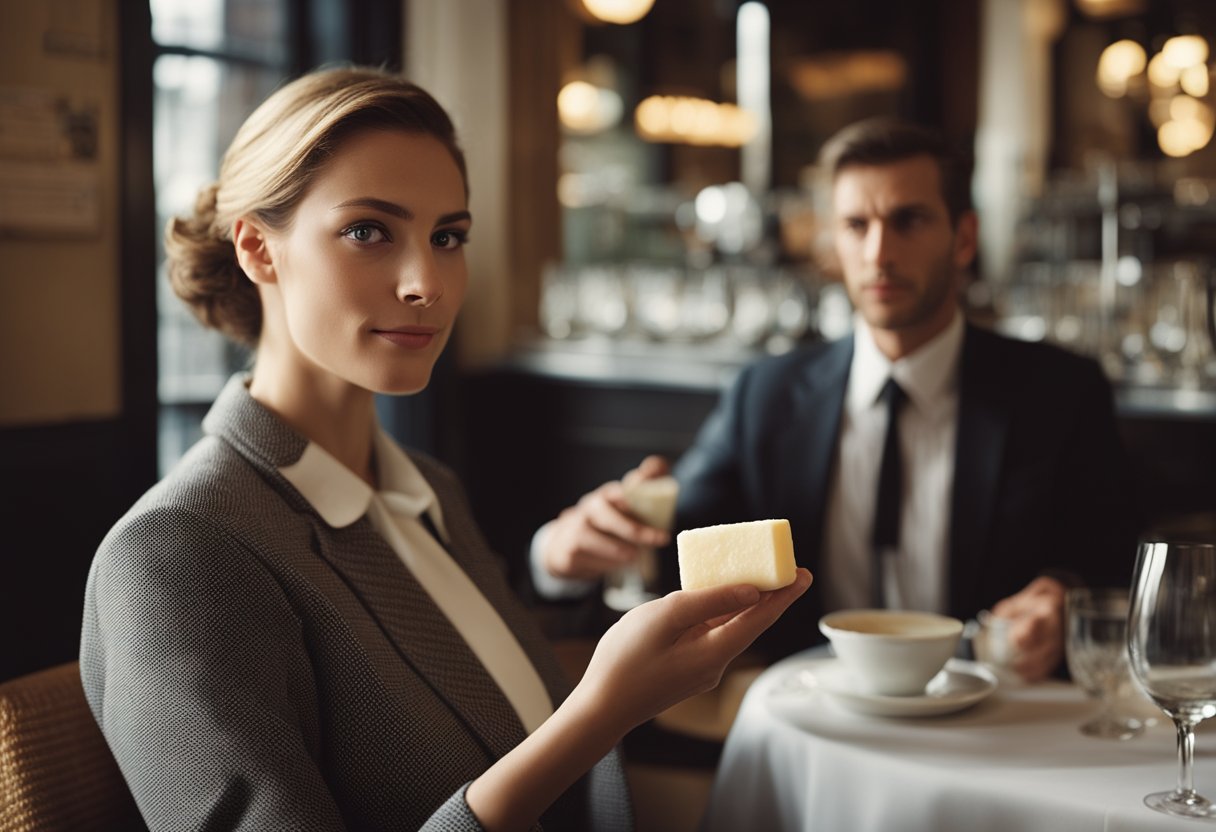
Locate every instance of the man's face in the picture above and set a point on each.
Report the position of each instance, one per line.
(900, 253)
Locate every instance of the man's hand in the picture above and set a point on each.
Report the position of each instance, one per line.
(597, 534)
(1037, 633)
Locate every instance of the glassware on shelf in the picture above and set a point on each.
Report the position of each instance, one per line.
(558, 301)
(751, 319)
(705, 305)
(792, 309)
(657, 292)
(603, 302)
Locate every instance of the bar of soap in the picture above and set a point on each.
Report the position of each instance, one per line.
(760, 553)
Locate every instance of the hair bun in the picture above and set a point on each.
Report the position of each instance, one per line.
(204, 272)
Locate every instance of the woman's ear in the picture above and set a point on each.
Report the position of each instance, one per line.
(253, 251)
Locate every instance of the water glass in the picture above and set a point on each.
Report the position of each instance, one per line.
(1095, 646)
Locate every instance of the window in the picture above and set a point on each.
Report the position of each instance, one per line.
(215, 61)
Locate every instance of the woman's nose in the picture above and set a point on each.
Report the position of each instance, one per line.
(420, 283)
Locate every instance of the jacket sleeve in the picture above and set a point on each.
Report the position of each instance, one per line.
(197, 669)
(197, 672)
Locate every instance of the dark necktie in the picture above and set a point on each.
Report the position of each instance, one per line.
(890, 489)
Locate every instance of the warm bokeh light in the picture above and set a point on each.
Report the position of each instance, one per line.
(842, 74)
(1159, 110)
(1110, 8)
(1119, 63)
(1185, 108)
(618, 11)
(1162, 73)
(1195, 80)
(685, 120)
(1182, 51)
(1181, 138)
(585, 108)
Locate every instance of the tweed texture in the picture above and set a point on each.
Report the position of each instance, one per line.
(253, 668)
(55, 769)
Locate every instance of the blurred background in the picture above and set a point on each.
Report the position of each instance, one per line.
(649, 218)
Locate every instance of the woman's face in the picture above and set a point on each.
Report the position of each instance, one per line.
(369, 276)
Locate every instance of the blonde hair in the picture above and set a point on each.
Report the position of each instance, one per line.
(273, 160)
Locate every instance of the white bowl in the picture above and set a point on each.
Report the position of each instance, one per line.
(892, 652)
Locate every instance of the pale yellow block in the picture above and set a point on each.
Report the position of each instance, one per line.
(760, 553)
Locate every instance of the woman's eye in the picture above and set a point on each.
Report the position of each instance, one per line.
(449, 239)
(364, 234)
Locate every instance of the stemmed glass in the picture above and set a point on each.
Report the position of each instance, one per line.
(1172, 645)
(1096, 648)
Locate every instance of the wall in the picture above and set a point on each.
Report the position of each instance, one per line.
(465, 68)
(59, 290)
(77, 388)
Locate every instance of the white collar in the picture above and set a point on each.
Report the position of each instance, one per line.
(925, 375)
(341, 497)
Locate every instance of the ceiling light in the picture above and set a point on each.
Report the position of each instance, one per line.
(620, 12)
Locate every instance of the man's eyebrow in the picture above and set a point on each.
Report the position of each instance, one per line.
(911, 208)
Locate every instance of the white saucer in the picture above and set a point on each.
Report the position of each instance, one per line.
(959, 685)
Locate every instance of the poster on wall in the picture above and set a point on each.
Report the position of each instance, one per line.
(50, 180)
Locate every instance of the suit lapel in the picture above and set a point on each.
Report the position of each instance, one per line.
(474, 555)
(390, 594)
(983, 424)
(420, 631)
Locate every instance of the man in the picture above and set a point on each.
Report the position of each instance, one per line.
(1005, 479)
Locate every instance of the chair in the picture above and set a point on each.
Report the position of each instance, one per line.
(56, 771)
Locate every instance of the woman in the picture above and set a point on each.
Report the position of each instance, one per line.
(300, 627)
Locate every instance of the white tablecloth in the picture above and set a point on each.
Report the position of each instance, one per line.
(1015, 762)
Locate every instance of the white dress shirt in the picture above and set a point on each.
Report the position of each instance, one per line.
(341, 498)
(914, 577)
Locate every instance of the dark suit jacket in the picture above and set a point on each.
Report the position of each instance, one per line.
(253, 667)
(1040, 480)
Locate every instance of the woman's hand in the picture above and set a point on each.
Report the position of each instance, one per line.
(656, 655)
(669, 649)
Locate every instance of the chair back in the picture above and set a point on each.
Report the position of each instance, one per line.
(56, 771)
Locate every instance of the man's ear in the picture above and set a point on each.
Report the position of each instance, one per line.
(966, 239)
(253, 251)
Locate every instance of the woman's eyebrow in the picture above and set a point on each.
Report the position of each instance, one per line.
(393, 209)
(382, 205)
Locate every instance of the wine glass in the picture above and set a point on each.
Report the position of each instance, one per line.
(1172, 645)
(1095, 646)
(652, 501)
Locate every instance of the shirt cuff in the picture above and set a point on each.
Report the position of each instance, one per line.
(548, 586)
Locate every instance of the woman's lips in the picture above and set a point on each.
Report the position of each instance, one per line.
(412, 338)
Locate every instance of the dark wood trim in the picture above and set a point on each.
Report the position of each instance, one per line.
(137, 251)
(544, 41)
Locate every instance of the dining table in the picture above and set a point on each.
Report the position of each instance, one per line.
(992, 754)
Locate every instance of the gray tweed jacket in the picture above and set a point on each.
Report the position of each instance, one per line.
(254, 668)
